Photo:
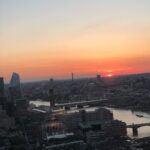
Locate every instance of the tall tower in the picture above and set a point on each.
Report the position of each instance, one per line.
(72, 76)
(98, 77)
(14, 87)
(15, 80)
(51, 93)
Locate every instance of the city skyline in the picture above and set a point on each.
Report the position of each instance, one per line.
(42, 39)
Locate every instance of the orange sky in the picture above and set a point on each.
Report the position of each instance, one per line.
(40, 40)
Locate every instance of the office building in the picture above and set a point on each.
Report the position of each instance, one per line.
(14, 87)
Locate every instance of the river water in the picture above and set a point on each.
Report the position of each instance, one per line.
(127, 116)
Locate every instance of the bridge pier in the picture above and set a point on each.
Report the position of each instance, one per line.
(135, 127)
(135, 131)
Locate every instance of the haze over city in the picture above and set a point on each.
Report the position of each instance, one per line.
(74, 74)
(54, 38)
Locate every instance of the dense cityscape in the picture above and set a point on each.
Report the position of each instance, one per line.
(74, 74)
(77, 114)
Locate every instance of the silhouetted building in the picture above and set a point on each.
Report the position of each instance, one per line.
(83, 116)
(10, 108)
(72, 120)
(99, 114)
(98, 77)
(2, 93)
(101, 122)
(1, 87)
(72, 76)
(51, 82)
(15, 80)
(51, 93)
(51, 96)
(22, 104)
(14, 88)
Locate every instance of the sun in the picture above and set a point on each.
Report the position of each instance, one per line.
(109, 75)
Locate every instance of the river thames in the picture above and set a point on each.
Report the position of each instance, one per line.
(127, 116)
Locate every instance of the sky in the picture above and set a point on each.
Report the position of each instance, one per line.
(41, 39)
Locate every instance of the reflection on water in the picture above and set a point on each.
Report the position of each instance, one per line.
(127, 116)
(40, 102)
(130, 117)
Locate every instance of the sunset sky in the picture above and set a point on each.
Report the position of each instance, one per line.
(40, 39)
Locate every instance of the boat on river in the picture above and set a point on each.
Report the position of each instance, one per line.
(140, 116)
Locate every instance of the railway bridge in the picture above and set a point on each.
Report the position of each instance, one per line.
(136, 126)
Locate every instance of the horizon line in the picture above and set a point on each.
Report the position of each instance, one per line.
(76, 77)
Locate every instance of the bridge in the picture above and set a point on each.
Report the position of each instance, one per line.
(136, 126)
(82, 103)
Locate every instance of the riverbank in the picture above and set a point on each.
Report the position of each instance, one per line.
(124, 114)
(131, 108)
(130, 117)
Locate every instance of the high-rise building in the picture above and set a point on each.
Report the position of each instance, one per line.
(72, 76)
(14, 87)
(51, 83)
(1, 87)
(22, 104)
(51, 92)
(98, 77)
(15, 80)
(2, 95)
